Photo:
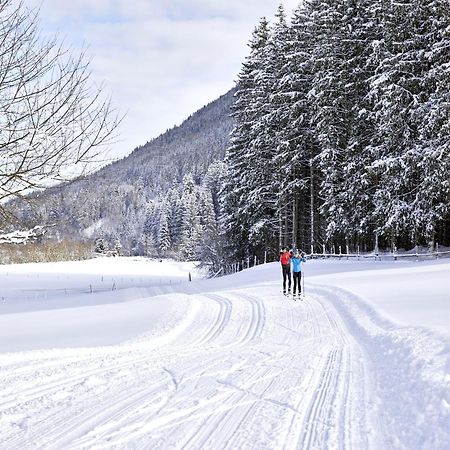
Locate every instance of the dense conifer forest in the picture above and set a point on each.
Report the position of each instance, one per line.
(342, 130)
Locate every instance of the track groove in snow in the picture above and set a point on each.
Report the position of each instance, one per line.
(243, 368)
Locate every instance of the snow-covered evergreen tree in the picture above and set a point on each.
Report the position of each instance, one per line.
(235, 192)
(100, 246)
(295, 139)
(163, 232)
(174, 215)
(191, 233)
(266, 176)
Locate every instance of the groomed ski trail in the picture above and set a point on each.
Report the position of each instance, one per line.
(243, 369)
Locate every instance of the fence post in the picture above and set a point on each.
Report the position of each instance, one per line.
(265, 257)
(323, 249)
(437, 250)
(254, 263)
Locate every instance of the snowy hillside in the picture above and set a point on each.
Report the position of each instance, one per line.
(121, 353)
(22, 237)
(117, 201)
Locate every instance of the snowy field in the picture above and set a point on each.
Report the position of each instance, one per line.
(122, 353)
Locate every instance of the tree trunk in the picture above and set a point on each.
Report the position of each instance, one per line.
(294, 221)
(311, 176)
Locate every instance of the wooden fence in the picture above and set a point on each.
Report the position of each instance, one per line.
(338, 254)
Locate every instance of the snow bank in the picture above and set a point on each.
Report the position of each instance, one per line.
(103, 301)
(408, 293)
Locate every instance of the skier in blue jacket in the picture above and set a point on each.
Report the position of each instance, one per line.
(296, 261)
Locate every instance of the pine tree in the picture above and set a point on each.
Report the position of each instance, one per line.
(213, 181)
(174, 215)
(342, 122)
(264, 180)
(208, 216)
(296, 143)
(191, 227)
(118, 247)
(149, 229)
(332, 99)
(100, 246)
(235, 192)
(163, 234)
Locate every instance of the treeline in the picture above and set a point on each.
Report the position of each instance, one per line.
(183, 222)
(342, 130)
(178, 223)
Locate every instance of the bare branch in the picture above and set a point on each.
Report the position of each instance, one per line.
(53, 122)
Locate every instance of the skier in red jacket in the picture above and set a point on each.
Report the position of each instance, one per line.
(285, 260)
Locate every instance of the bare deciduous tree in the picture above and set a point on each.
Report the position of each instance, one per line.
(54, 123)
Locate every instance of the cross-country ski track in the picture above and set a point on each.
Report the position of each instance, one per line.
(236, 368)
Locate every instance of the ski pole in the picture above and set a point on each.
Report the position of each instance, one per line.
(303, 282)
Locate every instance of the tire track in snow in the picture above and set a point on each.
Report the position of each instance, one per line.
(329, 414)
(64, 427)
(34, 393)
(315, 421)
(114, 365)
(254, 329)
(247, 363)
(115, 410)
(257, 321)
(236, 409)
(229, 415)
(223, 317)
(63, 433)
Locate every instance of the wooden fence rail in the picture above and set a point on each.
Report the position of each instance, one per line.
(377, 256)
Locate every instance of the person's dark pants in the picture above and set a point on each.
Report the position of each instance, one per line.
(286, 275)
(297, 282)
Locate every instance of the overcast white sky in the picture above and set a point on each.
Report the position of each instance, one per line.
(161, 60)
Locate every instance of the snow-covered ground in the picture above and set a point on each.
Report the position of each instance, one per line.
(126, 353)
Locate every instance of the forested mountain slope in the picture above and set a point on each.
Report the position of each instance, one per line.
(118, 201)
(188, 148)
